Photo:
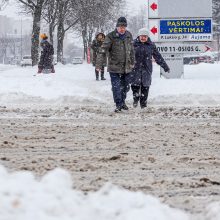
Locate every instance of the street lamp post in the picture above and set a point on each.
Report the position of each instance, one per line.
(21, 40)
(218, 41)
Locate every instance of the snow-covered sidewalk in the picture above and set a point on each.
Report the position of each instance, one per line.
(76, 84)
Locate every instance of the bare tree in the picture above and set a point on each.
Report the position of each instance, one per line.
(216, 18)
(50, 15)
(35, 7)
(67, 18)
(89, 16)
(216, 11)
(4, 43)
(3, 4)
(96, 15)
(138, 21)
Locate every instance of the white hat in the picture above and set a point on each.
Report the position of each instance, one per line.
(143, 31)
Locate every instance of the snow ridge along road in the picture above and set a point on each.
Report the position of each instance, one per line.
(170, 150)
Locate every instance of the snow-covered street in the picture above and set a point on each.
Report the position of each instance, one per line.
(66, 120)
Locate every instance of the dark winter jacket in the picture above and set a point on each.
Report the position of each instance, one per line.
(46, 58)
(142, 72)
(96, 45)
(120, 52)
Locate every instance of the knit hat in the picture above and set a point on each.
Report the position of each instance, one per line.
(121, 22)
(143, 31)
(43, 36)
(98, 33)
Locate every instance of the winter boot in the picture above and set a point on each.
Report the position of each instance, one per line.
(52, 69)
(143, 105)
(97, 75)
(136, 100)
(39, 70)
(124, 107)
(118, 110)
(135, 103)
(102, 76)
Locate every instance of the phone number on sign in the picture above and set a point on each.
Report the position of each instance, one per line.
(179, 49)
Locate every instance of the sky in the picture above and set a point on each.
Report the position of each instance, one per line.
(11, 9)
(135, 4)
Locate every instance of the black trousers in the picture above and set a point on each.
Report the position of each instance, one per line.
(102, 72)
(140, 93)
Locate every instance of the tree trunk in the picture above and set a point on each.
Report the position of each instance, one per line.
(35, 34)
(60, 39)
(218, 45)
(85, 46)
(51, 32)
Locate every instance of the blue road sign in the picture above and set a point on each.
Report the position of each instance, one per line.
(185, 26)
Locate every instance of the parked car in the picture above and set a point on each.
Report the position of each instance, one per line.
(26, 61)
(196, 59)
(77, 60)
(206, 59)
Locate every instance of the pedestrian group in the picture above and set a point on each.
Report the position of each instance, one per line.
(128, 61)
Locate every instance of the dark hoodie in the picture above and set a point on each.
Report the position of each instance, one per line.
(46, 58)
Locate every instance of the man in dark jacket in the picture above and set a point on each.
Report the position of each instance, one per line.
(141, 77)
(118, 46)
(46, 58)
(96, 44)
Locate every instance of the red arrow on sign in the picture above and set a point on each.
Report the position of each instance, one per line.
(154, 6)
(154, 30)
(208, 48)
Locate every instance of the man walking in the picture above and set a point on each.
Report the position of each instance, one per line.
(118, 46)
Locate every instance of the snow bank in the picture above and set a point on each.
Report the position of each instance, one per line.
(76, 84)
(23, 197)
(213, 211)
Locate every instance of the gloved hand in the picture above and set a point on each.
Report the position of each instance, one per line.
(167, 70)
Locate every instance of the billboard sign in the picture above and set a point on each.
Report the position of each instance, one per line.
(180, 8)
(181, 29)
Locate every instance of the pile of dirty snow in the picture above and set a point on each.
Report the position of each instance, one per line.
(23, 197)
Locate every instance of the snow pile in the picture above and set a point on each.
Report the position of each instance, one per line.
(76, 84)
(213, 211)
(52, 198)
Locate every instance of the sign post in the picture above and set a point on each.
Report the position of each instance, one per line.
(175, 62)
(180, 27)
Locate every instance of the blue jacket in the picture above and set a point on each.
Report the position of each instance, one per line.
(142, 72)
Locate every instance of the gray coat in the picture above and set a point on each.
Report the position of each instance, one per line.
(120, 53)
(96, 45)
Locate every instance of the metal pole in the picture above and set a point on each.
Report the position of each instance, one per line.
(21, 40)
(218, 43)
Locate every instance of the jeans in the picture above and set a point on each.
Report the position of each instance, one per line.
(120, 87)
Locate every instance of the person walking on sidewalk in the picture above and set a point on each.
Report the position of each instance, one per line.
(96, 44)
(141, 76)
(118, 46)
(46, 58)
